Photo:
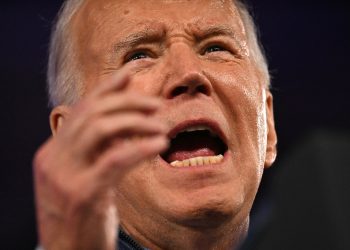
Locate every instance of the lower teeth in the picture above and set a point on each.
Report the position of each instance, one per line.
(198, 161)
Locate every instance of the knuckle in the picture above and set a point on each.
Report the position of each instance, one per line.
(63, 188)
(39, 159)
(81, 196)
(84, 107)
(113, 159)
(130, 98)
(100, 128)
(70, 193)
(142, 149)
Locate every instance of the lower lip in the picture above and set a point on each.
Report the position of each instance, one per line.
(200, 167)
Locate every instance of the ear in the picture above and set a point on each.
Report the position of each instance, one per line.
(57, 117)
(271, 150)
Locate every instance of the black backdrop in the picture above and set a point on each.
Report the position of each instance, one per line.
(307, 43)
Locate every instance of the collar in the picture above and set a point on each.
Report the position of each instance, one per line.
(125, 242)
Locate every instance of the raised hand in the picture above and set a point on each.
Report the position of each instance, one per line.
(95, 142)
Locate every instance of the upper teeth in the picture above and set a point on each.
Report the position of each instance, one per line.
(196, 128)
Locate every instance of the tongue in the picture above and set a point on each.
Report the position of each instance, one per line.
(191, 145)
(183, 154)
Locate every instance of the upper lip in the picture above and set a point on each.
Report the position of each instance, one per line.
(212, 125)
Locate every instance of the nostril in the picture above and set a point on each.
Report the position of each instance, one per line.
(179, 91)
(188, 90)
(202, 89)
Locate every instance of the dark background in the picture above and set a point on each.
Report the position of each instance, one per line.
(303, 202)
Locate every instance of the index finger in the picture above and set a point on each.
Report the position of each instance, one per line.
(117, 81)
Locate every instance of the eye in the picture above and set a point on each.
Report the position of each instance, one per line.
(214, 48)
(137, 56)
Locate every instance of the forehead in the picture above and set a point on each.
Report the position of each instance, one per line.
(101, 24)
(129, 8)
(119, 15)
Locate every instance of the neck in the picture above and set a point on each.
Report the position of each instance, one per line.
(226, 235)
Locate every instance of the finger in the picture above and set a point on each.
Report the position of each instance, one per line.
(118, 102)
(104, 129)
(115, 82)
(117, 160)
(84, 115)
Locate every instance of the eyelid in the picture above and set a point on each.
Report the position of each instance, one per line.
(221, 48)
(214, 43)
(226, 44)
(133, 52)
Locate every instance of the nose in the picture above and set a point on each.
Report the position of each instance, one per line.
(184, 74)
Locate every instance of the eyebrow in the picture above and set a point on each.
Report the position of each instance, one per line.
(219, 30)
(140, 37)
(211, 31)
(158, 35)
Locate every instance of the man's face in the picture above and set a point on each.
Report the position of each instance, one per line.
(194, 55)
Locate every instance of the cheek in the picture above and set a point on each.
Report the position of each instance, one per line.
(135, 194)
(235, 83)
(239, 93)
(241, 97)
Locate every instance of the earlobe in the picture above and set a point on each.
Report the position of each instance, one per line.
(271, 147)
(57, 117)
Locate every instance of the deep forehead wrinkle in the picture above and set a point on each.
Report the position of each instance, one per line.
(207, 31)
(156, 32)
(148, 33)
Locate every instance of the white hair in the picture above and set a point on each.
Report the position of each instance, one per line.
(255, 48)
(64, 79)
(63, 74)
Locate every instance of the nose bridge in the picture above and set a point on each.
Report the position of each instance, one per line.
(184, 72)
(182, 58)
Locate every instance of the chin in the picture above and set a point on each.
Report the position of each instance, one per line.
(207, 212)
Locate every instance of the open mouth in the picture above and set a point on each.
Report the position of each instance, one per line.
(195, 146)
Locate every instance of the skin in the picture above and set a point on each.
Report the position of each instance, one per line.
(102, 166)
